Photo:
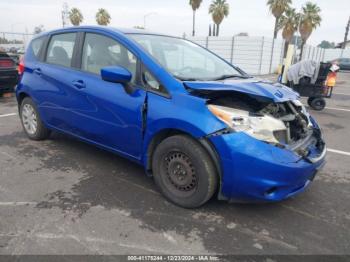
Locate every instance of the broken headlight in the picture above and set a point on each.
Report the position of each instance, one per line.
(261, 127)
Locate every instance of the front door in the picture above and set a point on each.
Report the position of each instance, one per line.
(107, 113)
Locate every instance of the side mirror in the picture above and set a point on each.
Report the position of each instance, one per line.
(116, 74)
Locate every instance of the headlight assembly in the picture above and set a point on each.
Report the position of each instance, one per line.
(262, 127)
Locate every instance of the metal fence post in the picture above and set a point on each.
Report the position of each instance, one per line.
(261, 54)
(323, 54)
(272, 51)
(232, 47)
(207, 42)
(342, 53)
(282, 51)
(317, 55)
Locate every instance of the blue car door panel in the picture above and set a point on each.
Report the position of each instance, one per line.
(81, 103)
(105, 113)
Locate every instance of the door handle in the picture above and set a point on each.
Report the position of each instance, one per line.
(79, 84)
(37, 71)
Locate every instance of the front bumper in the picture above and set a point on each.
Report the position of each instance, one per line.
(254, 171)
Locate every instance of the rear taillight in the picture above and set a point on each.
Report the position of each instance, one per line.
(21, 66)
(6, 63)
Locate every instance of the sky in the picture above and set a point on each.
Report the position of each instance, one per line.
(171, 17)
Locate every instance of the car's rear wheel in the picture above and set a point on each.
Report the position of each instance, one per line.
(31, 122)
(184, 171)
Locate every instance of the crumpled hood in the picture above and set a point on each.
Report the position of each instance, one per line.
(275, 91)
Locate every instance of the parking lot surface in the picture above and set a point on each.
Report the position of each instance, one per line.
(61, 196)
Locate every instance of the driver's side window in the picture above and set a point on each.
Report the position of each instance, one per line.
(100, 51)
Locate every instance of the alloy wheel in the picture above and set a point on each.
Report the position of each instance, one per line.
(29, 119)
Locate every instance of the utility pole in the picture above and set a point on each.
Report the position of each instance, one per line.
(346, 34)
(65, 14)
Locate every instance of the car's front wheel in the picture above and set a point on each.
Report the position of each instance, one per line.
(31, 122)
(184, 171)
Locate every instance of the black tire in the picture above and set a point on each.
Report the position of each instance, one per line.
(309, 100)
(317, 103)
(41, 132)
(184, 171)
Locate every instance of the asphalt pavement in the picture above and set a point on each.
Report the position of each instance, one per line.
(62, 196)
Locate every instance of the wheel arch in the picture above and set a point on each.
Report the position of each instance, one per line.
(168, 132)
(21, 96)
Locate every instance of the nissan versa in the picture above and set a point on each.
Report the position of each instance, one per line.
(199, 125)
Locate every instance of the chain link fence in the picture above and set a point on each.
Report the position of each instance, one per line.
(13, 42)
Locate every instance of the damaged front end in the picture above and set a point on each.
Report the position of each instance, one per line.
(286, 124)
(271, 148)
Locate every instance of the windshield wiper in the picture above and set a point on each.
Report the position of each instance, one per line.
(223, 77)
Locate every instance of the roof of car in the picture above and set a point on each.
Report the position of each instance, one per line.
(105, 28)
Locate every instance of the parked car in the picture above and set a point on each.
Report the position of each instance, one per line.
(13, 50)
(343, 63)
(199, 125)
(21, 51)
(8, 73)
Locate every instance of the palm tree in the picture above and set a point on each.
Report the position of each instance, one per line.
(277, 8)
(75, 16)
(288, 23)
(195, 5)
(103, 17)
(310, 19)
(219, 9)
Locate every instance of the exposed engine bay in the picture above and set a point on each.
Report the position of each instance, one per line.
(285, 124)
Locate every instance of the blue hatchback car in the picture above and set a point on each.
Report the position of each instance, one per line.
(199, 125)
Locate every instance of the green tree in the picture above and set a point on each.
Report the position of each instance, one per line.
(277, 8)
(75, 16)
(325, 44)
(310, 19)
(219, 9)
(39, 29)
(195, 5)
(103, 17)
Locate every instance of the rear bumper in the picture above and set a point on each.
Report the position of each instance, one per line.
(254, 171)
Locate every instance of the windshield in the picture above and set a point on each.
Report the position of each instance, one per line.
(186, 60)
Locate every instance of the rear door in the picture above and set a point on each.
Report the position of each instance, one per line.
(54, 92)
(106, 113)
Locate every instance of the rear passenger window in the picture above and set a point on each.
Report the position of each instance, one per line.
(60, 50)
(100, 51)
(36, 46)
